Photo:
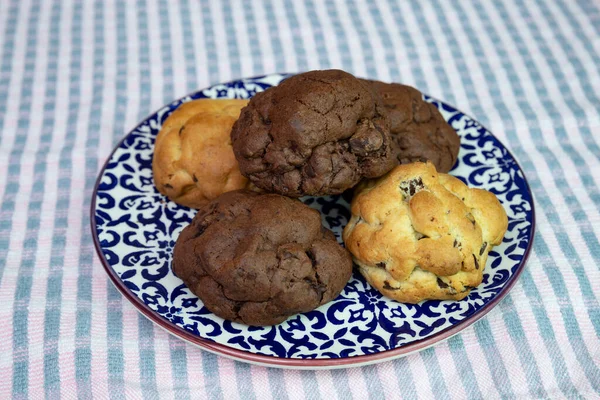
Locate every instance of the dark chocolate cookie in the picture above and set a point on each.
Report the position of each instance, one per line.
(418, 129)
(260, 258)
(316, 133)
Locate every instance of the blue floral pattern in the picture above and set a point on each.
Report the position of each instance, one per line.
(137, 228)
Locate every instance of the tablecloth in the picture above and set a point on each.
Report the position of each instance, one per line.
(75, 76)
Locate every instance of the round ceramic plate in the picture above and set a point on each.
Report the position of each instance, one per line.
(135, 229)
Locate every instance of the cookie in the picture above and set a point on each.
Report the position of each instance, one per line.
(257, 259)
(193, 160)
(316, 133)
(417, 234)
(418, 129)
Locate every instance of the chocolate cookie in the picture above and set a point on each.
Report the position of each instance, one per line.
(260, 258)
(418, 129)
(317, 133)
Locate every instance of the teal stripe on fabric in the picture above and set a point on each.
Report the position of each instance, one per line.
(54, 281)
(585, 41)
(233, 50)
(434, 53)
(374, 386)
(561, 131)
(8, 200)
(24, 280)
(83, 321)
(114, 307)
(277, 384)
(537, 187)
(342, 43)
(274, 37)
(573, 57)
(318, 34)
(317, 29)
(591, 12)
(526, 356)
(409, 44)
(243, 377)
(406, 381)
(57, 253)
(310, 385)
(252, 32)
(179, 367)
(388, 46)
(165, 51)
(367, 49)
(212, 385)
(147, 357)
(299, 51)
(144, 59)
(464, 367)
(341, 383)
(574, 206)
(8, 50)
(561, 370)
(121, 86)
(188, 46)
(485, 337)
(434, 373)
(114, 343)
(212, 58)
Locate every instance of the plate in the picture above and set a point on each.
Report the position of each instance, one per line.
(135, 228)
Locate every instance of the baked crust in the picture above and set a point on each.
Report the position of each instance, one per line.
(417, 234)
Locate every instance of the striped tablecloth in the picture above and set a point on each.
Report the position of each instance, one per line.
(76, 76)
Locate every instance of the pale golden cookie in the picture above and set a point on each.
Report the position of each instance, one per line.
(193, 160)
(417, 234)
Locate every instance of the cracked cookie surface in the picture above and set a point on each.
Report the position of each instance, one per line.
(193, 160)
(316, 133)
(257, 259)
(417, 234)
(418, 130)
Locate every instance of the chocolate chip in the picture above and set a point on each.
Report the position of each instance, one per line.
(442, 284)
(411, 187)
(194, 178)
(476, 262)
(471, 218)
(386, 286)
(381, 264)
(483, 247)
(181, 129)
(415, 185)
(456, 243)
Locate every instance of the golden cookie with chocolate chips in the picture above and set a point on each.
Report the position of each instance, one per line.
(193, 159)
(417, 234)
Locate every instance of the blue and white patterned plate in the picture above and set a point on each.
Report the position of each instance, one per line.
(135, 229)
